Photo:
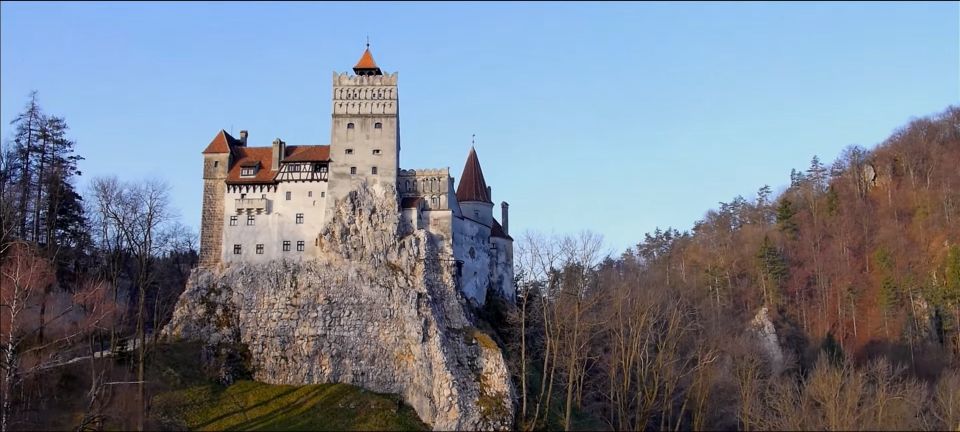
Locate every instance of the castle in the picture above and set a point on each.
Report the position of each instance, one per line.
(271, 203)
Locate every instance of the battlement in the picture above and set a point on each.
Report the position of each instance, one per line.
(348, 79)
(425, 172)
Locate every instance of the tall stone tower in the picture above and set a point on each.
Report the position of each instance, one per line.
(365, 132)
(216, 164)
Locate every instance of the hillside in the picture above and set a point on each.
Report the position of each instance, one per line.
(773, 312)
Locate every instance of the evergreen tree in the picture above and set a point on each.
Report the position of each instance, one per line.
(785, 213)
(773, 269)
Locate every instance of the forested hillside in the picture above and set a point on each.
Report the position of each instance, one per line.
(835, 305)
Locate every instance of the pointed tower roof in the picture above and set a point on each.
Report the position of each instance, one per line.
(366, 65)
(472, 186)
(220, 144)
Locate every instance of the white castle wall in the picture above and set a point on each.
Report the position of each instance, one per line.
(277, 223)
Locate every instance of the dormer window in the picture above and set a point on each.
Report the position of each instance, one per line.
(349, 125)
(248, 169)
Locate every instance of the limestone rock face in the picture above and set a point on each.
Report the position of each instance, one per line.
(373, 310)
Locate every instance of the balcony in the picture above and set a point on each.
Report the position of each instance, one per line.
(251, 205)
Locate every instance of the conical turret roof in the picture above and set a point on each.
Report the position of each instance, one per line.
(366, 65)
(472, 186)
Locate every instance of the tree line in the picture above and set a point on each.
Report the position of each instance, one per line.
(835, 305)
(83, 276)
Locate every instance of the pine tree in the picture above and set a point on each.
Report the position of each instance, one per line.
(785, 213)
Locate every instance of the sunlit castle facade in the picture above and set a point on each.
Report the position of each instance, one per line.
(270, 203)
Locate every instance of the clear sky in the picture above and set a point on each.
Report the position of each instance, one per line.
(615, 117)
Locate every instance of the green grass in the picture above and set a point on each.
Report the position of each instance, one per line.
(249, 405)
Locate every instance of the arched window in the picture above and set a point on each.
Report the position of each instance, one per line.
(435, 201)
(378, 125)
(349, 125)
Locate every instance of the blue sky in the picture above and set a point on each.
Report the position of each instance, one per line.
(614, 117)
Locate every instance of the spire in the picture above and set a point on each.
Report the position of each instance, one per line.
(472, 186)
(366, 65)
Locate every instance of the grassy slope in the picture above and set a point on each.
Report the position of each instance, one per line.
(248, 405)
(193, 402)
(182, 397)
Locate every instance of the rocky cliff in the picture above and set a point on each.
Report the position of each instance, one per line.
(374, 310)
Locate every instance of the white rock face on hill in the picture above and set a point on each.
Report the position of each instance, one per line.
(374, 310)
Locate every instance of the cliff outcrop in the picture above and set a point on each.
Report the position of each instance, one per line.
(374, 310)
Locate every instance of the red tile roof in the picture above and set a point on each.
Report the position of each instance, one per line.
(251, 156)
(307, 153)
(497, 231)
(221, 143)
(366, 61)
(472, 186)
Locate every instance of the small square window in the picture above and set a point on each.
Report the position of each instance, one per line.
(309, 194)
(378, 125)
(299, 218)
(236, 249)
(260, 249)
(250, 220)
(300, 246)
(233, 221)
(353, 170)
(373, 170)
(286, 245)
(247, 172)
(264, 196)
(323, 194)
(349, 125)
(349, 151)
(376, 151)
(288, 195)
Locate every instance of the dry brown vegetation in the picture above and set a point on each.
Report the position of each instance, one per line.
(857, 263)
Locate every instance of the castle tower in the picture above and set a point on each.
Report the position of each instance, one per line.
(365, 132)
(216, 164)
(473, 192)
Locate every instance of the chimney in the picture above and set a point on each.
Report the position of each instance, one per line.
(279, 148)
(505, 217)
(243, 138)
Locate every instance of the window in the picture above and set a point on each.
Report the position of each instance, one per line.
(353, 170)
(294, 167)
(349, 151)
(378, 125)
(299, 218)
(373, 170)
(323, 194)
(319, 168)
(300, 246)
(260, 249)
(264, 196)
(286, 245)
(236, 249)
(247, 171)
(250, 220)
(216, 164)
(349, 125)
(476, 214)
(288, 195)
(233, 221)
(376, 151)
(309, 194)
